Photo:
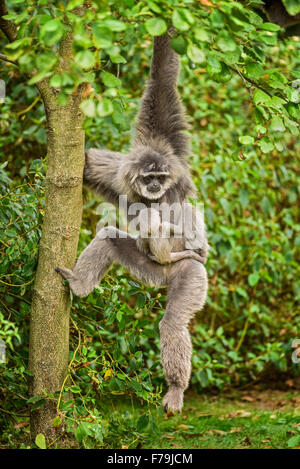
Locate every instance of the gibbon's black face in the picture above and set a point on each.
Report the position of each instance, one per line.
(154, 178)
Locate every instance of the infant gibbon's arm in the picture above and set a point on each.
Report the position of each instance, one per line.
(177, 256)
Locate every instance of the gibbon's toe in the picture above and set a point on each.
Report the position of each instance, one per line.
(65, 273)
(173, 400)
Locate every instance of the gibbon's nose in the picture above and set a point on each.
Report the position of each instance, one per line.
(154, 187)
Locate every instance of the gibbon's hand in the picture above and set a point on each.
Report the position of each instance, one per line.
(154, 258)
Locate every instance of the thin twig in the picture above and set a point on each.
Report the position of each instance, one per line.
(24, 111)
(253, 83)
(6, 59)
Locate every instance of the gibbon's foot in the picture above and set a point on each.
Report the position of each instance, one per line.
(65, 273)
(77, 286)
(173, 400)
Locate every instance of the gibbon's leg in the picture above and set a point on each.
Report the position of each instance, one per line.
(186, 296)
(107, 249)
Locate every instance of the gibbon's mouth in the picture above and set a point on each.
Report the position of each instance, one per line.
(154, 195)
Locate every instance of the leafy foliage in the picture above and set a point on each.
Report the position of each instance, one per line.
(226, 38)
(236, 83)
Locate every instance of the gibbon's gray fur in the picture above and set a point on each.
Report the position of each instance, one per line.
(155, 170)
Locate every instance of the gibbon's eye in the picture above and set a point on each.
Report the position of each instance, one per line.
(147, 179)
(161, 179)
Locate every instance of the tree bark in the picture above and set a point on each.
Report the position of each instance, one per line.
(49, 327)
(8, 28)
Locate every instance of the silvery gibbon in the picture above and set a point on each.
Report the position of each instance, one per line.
(155, 171)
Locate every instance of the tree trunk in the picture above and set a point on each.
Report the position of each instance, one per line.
(49, 327)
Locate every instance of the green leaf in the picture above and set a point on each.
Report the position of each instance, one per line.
(179, 21)
(17, 18)
(46, 61)
(216, 19)
(276, 102)
(142, 422)
(74, 4)
(266, 38)
(26, 62)
(156, 26)
(294, 110)
(153, 6)
(88, 107)
(187, 15)
(226, 42)
(244, 197)
(224, 75)
(82, 430)
(292, 126)
(294, 94)
(119, 317)
(292, 6)
(56, 81)
(260, 96)
(265, 145)
(246, 140)
(56, 422)
(38, 404)
(277, 124)
(269, 27)
(195, 54)
(115, 25)
(213, 65)
(117, 58)
(254, 70)
(110, 80)
(16, 49)
(260, 115)
(294, 441)
(38, 77)
(201, 35)
(266, 205)
(253, 279)
(260, 129)
(102, 35)
(75, 389)
(40, 441)
(51, 32)
(241, 292)
(85, 59)
(105, 107)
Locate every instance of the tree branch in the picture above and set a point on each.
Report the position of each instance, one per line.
(7, 27)
(6, 59)
(252, 82)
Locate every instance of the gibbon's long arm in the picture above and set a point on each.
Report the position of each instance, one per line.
(162, 114)
(100, 173)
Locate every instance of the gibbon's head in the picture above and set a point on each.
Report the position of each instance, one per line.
(151, 170)
(153, 176)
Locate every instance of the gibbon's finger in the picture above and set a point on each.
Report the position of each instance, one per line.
(153, 258)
